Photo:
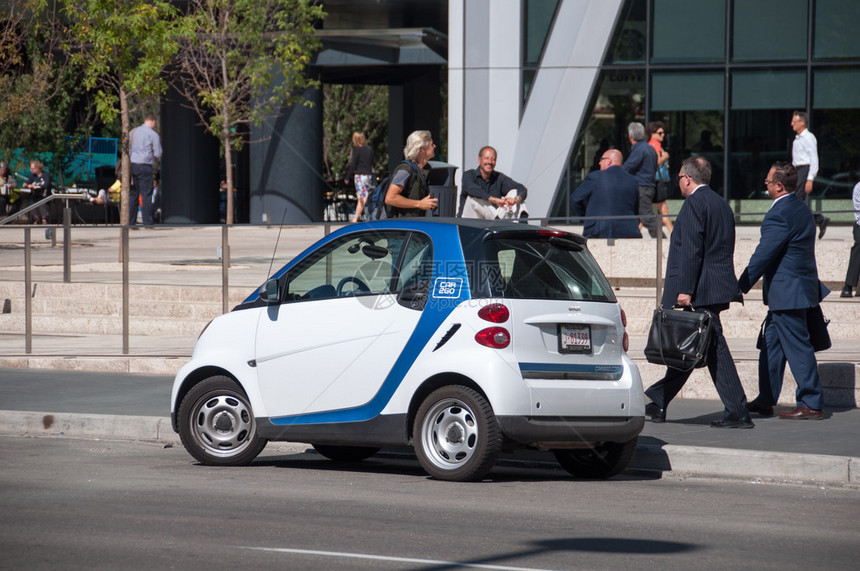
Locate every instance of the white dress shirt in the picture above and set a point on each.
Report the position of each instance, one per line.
(804, 151)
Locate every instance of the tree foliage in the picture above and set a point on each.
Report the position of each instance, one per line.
(122, 47)
(350, 108)
(241, 60)
(41, 109)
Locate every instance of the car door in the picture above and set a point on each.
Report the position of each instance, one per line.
(336, 335)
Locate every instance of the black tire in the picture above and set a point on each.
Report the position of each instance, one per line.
(345, 453)
(217, 425)
(455, 435)
(600, 462)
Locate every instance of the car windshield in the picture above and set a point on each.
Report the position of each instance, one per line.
(544, 268)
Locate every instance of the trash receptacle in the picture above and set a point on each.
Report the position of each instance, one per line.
(442, 187)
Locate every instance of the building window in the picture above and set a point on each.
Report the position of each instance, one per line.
(691, 106)
(770, 30)
(630, 42)
(538, 16)
(689, 31)
(836, 29)
(835, 116)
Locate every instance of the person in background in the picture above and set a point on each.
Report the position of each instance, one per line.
(489, 194)
(360, 169)
(7, 184)
(804, 157)
(608, 192)
(785, 259)
(642, 163)
(656, 133)
(700, 274)
(37, 185)
(853, 273)
(408, 194)
(145, 150)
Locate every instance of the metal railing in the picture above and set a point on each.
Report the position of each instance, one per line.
(225, 257)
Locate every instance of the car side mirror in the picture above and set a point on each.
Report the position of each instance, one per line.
(270, 292)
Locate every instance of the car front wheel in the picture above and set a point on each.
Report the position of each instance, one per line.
(216, 424)
(600, 462)
(456, 435)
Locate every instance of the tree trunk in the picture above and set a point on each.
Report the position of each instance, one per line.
(125, 161)
(228, 160)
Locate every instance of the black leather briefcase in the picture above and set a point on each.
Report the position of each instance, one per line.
(679, 338)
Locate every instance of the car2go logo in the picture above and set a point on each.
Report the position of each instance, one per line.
(447, 287)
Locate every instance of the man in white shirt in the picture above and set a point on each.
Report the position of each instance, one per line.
(804, 157)
(853, 273)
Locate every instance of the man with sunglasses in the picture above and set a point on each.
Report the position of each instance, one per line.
(785, 258)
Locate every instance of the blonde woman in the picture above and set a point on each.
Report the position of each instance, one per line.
(360, 169)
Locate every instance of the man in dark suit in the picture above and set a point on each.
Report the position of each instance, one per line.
(700, 273)
(785, 257)
(608, 192)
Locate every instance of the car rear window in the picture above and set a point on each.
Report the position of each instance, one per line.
(530, 266)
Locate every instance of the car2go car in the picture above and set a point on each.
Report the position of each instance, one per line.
(463, 338)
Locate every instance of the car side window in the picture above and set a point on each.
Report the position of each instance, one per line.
(416, 272)
(353, 265)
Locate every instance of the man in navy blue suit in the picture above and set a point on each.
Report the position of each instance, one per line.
(700, 273)
(608, 192)
(785, 257)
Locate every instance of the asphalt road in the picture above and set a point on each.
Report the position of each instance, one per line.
(74, 504)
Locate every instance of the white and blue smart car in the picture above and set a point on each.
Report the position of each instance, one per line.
(463, 338)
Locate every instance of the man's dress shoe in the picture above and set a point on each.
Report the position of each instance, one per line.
(846, 292)
(756, 405)
(802, 413)
(733, 423)
(656, 413)
(822, 228)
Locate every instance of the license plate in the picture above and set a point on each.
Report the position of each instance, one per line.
(574, 338)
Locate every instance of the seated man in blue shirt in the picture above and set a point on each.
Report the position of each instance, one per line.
(608, 192)
(489, 194)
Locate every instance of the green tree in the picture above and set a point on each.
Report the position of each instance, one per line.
(41, 109)
(350, 108)
(123, 46)
(241, 60)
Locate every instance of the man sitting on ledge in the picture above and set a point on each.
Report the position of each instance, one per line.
(489, 194)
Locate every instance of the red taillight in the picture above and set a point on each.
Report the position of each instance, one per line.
(545, 232)
(494, 313)
(623, 318)
(494, 337)
(625, 342)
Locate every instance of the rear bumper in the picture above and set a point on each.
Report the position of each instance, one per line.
(570, 430)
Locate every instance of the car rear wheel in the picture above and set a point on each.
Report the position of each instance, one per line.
(345, 453)
(600, 462)
(456, 435)
(216, 424)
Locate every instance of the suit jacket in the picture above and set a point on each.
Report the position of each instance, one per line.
(785, 256)
(610, 192)
(701, 252)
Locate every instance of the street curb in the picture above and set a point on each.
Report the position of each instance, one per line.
(692, 460)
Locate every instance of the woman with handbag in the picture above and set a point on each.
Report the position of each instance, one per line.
(656, 133)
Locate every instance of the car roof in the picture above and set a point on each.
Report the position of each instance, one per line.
(427, 224)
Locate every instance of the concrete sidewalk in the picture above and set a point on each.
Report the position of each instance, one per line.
(103, 405)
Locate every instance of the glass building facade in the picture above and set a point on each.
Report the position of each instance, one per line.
(724, 77)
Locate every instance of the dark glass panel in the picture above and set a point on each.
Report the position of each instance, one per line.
(629, 44)
(836, 29)
(759, 137)
(774, 30)
(687, 91)
(769, 89)
(620, 100)
(538, 20)
(687, 31)
(834, 121)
